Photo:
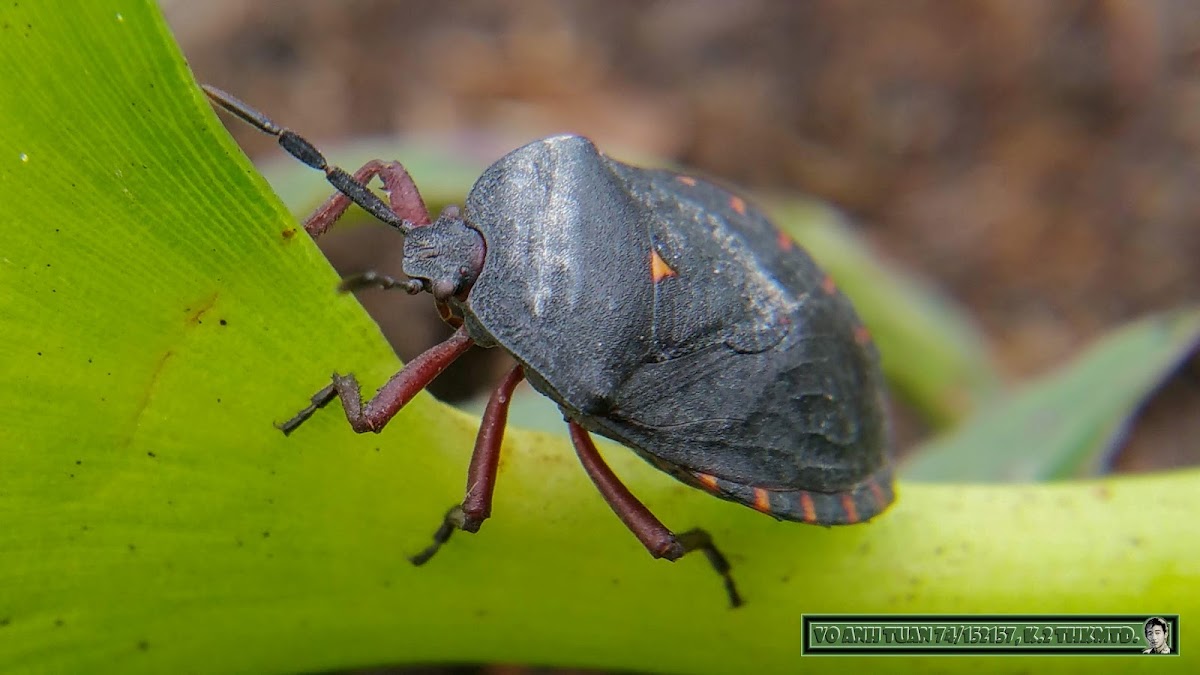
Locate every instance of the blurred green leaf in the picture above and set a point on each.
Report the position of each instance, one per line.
(1067, 424)
(160, 311)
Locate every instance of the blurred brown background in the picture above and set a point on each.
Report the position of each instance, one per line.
(1037, 160)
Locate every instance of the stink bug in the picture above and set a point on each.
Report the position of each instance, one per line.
(655, 309)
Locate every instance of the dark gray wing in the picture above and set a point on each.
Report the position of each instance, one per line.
(755, 374)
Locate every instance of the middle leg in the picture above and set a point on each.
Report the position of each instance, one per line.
(481, 476)
(660, 541)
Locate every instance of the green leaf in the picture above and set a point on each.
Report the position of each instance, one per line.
(1068, 423)
(159, 312)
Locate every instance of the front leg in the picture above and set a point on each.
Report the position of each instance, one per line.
(403, 197)
(391, 397)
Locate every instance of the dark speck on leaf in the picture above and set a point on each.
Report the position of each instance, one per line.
(224, 323)
(58, 623)
(151, 454)
(266, 534)
(132, 548)
(143, 645)
(4, 622)
(78, 462)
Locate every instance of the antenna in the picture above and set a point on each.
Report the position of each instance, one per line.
(306, 152)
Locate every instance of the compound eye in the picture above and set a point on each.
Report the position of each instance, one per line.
(443, 289)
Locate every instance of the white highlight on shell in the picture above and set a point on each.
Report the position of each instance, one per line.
(120, 19)
(24, 157)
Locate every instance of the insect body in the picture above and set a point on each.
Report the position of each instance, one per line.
(655, 309)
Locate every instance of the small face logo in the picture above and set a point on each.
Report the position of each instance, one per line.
(1156, 636)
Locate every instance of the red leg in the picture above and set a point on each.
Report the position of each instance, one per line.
(403, 196)
(391, 397)
(661, 542)
(481, 476)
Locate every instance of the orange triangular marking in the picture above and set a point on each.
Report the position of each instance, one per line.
(659, 269)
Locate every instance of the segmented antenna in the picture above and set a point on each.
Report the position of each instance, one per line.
(306, 152)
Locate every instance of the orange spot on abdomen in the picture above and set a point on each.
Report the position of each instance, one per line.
(738, 204)
(850, 508)
(686, 180)
(876, 492)
(828, 285)
(806, 505)
(762, 500)
(785, 242)
(707, 481)
(659, 269)
(861, 335)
